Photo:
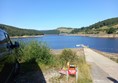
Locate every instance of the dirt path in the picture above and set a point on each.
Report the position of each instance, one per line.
(103, 69)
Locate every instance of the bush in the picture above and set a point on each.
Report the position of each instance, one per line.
(110, 30)
(68, 56)
(36, 51)
(79, 60)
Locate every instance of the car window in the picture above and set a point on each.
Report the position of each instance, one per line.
(3, 44)
(2, 36)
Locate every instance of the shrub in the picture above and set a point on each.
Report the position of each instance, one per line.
(68, 56)
(37, 51)
(110, 30)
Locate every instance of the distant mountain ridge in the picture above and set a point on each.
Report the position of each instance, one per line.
(15, 31)
(107, 26)
(55, 31)
(64, 29)
(58, 30)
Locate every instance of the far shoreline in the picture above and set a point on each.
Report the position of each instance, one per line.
(26, 36)
(94, 35)
(83, 35)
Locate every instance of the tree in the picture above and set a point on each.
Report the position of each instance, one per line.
(110, 30)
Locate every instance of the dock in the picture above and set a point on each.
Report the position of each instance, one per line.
(103, 70)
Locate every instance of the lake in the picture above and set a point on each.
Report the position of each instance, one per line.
(61, 42)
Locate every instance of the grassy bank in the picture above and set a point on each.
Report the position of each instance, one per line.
(84, 71)
(38, 58)
(74, 56)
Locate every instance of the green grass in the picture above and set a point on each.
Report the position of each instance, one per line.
(84, 71)
(68, 55)
(39, 52)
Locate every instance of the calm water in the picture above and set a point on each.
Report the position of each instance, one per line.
(60, 42)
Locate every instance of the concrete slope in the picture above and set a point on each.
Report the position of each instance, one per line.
(104, 70)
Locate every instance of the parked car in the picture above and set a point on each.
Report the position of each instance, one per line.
(8, 61)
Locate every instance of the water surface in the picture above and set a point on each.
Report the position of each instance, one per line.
(61, 42)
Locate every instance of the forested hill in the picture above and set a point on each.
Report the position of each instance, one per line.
(108, 26)
(59, 30)
(55, 31)
(15, 31)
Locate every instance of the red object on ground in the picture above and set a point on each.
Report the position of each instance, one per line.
(62, 71)
(72, 70)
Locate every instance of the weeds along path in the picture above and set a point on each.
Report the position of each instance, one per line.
(103, 69)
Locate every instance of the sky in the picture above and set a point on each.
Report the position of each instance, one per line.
(51, 14)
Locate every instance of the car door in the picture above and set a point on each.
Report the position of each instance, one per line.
(7, 59)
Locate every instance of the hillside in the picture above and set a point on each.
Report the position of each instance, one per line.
(50, 31)
(64, 29)
(15, 31)
(108, 26)
(59, 30)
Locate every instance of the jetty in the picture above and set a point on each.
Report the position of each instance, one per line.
(103, 70)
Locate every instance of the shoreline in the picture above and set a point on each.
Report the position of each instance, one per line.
(76, 49)
(82, 35)
(58, 51)
(26, 36)
(95, 35)
(108, 53)
(112, 56)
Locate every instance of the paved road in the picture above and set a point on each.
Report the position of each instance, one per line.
(103, 69)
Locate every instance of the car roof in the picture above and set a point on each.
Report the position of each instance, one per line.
(3, 31)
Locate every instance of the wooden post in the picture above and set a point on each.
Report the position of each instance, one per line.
(67, 76)
(76, 74)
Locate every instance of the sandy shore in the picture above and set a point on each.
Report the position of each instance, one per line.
(26, 36)
(103, 35)
(95, 35)
(86, 35)
(112, 56)
(59, 51)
